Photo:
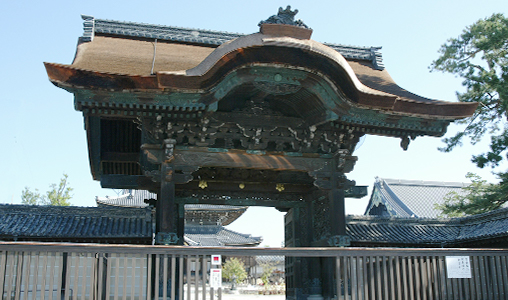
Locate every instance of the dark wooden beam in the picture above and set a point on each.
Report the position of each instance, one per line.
(93, 131)
(128, 182)
(243, 202)
(205, 157)
(357, 191)
(247, 187)
(120, 156)
(249, 160)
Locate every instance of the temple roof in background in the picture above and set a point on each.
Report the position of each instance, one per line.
(194, 213)
(409, 198)
(196, 235)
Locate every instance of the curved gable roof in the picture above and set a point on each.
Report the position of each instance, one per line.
(123, 56)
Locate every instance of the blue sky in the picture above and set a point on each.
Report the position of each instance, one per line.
(43, 136)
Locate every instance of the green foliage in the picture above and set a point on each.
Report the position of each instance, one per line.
(267, 273)
(233, 269)
(58, 195)
(478, 197)
(480, 56)
(30, 198)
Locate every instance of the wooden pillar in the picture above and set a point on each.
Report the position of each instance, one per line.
(298, 234)
(167, 223)
(338, 183)
(331, 180)
(337, 211)
(330, 208)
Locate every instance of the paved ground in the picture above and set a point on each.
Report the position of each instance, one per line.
(246, 293)
(251, 297)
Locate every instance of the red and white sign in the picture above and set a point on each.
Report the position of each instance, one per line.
(216, 259)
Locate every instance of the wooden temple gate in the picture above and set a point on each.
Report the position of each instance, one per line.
(268, 119)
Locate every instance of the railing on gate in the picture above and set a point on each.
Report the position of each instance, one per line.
(91, 271)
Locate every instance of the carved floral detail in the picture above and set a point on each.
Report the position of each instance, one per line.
(237, 197)
(166, 238)
(321, 218)
(339, 241)
(276, 88)
(208, 132)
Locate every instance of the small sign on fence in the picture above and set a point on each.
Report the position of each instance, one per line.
(216, 259)
(458, 267)
(216, 278)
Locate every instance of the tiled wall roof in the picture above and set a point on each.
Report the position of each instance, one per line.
(131, 224)
(469, 230)
(70, 222)
(128, 225)
(400, 231)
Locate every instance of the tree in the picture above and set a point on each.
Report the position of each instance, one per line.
(267, 273)
(29, 197)
(234, 270)
(480, 56)
(58, 195)
(478, 197)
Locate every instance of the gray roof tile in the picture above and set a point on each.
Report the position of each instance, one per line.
(135, 224)
(201, 213)
(74, 222)
(412, 198)
(70, 223)
(136, 198)
(429, 231)
(207, 235)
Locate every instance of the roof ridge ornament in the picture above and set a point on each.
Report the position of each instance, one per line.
(88, 29)
(284, 25)
(285, 16)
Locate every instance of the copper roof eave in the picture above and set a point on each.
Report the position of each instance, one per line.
(450, 110)
(66, 76)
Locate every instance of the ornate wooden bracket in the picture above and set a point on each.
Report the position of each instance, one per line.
(255, 127)
(331, 176)
(166, 238)
(164, 155)
(328, 181)
(339, 241)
